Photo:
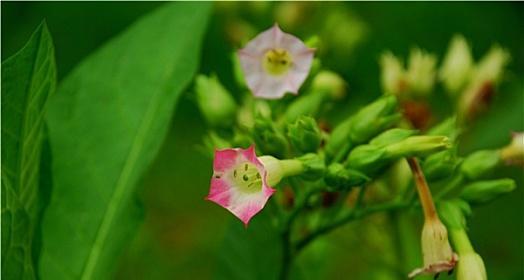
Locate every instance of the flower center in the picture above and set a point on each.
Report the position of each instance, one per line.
(246, 177)
(277, 61)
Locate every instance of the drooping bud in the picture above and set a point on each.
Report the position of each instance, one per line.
(304, 135)
(216, 104)
(513, 154)
(457, 66)
(340, 178)
(470, 265)
(436, 250)
(486, 191)
(268, 138)
(480, 164)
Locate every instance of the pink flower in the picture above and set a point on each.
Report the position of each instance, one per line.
(274, 63)
(239, 182)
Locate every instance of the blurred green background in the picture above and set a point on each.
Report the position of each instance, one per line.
(182, 233)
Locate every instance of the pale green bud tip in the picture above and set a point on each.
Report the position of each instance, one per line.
(491, 67)
(392, 74)
(331, 83)
(304, 134)
(392, 136)
(340, 178)
(486, 191)
(471, 267)
(514, 152)
(418, 146)
(421, 72)
(480, 164)
(215, 102)
(457, 66)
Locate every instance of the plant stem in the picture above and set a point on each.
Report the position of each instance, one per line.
(424, 193)
(352, 216)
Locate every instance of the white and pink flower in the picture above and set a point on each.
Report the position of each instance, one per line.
(274, 63)
(239, 182)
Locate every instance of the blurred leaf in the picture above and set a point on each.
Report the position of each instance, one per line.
(251, 253)
(28, 78)
(106, 125)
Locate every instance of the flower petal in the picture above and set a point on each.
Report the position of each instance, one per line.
(224, 159)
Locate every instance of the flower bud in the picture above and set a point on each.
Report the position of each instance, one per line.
(480, 164)
(436, 250)
(361, 127)
(374, 118)
(418, 146)
(457, 66)
(448, 128)
(391, 136)
(304, 135)
(313, 166)
(216, 104)
(367, 158)
(514, 152)
(310, 166)
(330, 83)
(486, 191)
(268, 138)
(392, 75)
(421, 74)
(305, 105)
(440, 165)
(471, 267)
(340, 178)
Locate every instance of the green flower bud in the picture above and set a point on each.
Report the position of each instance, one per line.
(480, 164)
(486, 191)
(330, 83)
(325, 86)
(453, 213)
(361, 127)
(340, 178)
(391, 136)
(373, 119)
(304, 135)
(440, 165)
(367, 158)
(447, 128)
(471, 267)
(215, 102)
(421, 72)
(268, 138)
(457, 65)
(418, 146)
(313, 166)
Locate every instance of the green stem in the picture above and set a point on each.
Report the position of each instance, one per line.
(461, 241)
(351, 216)
(291, 167)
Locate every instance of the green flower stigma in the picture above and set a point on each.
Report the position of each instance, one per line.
(246, 177)
(277, 61)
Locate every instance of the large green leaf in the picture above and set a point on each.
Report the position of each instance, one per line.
(252, 253)
(106, 123)
(28, 78)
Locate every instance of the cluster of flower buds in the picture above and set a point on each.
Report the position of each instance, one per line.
(290, 142)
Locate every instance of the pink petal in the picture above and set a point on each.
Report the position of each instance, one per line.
(264, 41)
(219, 192)
(225, 159)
